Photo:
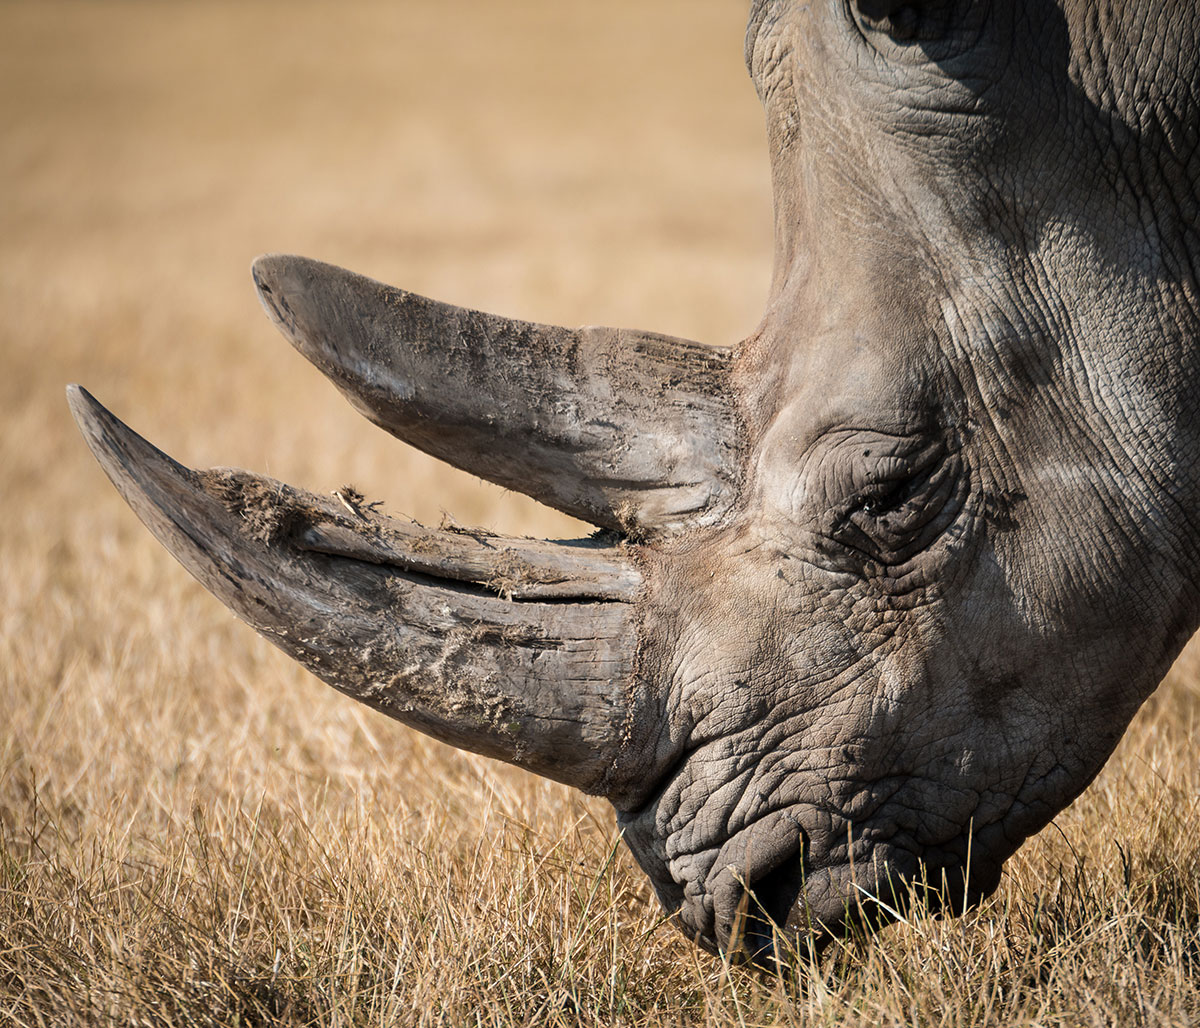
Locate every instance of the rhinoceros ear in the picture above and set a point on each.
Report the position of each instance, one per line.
(628, 430)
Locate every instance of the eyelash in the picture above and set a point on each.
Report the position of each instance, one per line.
(886, 502)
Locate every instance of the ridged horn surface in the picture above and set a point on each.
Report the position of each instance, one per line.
(627, 430)
(518, 649)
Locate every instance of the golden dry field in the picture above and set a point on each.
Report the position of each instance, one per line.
(193, 831)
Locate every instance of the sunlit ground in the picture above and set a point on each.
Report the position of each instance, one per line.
(193, 830)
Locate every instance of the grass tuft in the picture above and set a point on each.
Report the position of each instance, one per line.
(193, 831)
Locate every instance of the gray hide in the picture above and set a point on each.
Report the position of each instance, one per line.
(880, 588)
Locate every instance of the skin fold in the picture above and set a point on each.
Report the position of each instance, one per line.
(877, 590)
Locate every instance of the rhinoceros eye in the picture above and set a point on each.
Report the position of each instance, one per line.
(903, 505)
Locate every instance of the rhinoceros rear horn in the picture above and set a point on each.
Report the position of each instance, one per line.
(630, 431)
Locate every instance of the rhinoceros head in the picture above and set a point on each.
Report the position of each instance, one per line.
(877, 590)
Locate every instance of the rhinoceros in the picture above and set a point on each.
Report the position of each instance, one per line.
(875, 592)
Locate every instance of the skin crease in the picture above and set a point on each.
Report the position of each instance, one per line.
(984, 236)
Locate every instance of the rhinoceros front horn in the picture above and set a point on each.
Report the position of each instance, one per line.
(515, 648)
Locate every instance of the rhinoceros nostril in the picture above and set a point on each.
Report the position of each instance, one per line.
(753, 898)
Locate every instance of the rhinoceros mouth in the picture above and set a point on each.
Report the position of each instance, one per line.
(772, 893)
(800, 909)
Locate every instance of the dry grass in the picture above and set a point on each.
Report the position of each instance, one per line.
(194, 832)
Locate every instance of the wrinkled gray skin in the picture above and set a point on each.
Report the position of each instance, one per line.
(965, 547)
(904, 563)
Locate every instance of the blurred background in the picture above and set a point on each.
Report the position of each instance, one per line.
(184, 813)
(575, 163)
(565, 162)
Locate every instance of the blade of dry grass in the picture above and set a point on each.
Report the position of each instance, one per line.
(194, 832)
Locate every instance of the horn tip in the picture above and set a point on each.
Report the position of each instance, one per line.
(302, 296)
(90, 415)
(271, 274)
(268, 267)
(126, 457)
